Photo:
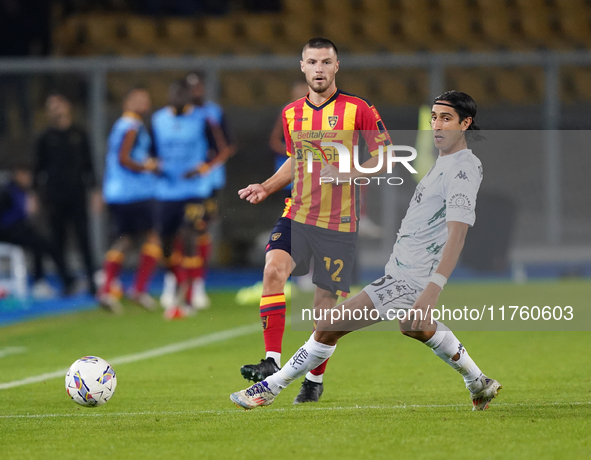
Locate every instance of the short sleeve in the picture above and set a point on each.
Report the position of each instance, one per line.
(374, 131)
(462, 182)
(286, 134)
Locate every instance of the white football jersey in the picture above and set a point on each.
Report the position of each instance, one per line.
(447, 193)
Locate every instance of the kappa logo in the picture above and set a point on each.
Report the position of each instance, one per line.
(332, 121)
(275, 236)
(462, 175)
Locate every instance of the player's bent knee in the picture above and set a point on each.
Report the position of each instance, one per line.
(275, 273)
(327, 337)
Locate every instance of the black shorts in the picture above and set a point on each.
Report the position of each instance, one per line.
(172, 215)
(333, 254)
(131, 218)
(280, 237)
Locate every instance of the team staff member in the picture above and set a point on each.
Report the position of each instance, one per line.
(182, 138)
(320, 224)
(64, 176)
(128, 189)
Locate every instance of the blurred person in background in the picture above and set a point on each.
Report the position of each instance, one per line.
(16, 205)
(196, 294)
(128, 189)
(182, 137)
(64, 178)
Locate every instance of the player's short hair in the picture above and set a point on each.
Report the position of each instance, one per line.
(195, 77)
(60, 95)
(320, 43)
(465, 107)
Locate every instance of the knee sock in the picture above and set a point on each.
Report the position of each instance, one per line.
(112, 268)
(445, 345)
(272, 311)
(309, 356)
(149, 257)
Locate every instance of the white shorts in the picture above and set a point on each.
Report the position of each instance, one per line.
(390, 294)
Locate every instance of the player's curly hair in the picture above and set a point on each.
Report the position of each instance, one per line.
(465, 107)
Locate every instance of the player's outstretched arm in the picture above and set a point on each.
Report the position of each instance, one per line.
(456, 235)
(255, 193)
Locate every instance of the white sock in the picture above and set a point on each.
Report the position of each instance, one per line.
(445, 345)
(314, 378)
(308, 357)
(276, 356)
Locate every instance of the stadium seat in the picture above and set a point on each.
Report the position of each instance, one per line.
(457, 24)
(578, 82)
(521, 86)
(237, 90)
(297, 33)
(474, 81)
(299, 8)
(102, 34)
(276, 89)
(380, 7)
(261, 30)
(66, 35)
(338, 10)
(142, 31)
(379, 33)
(575, 26)
(499, 25)
(220, 33)
(416, 25)
(399, 87)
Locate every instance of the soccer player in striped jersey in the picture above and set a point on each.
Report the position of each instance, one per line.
(429, 243)
(128, 189)
(320, 222)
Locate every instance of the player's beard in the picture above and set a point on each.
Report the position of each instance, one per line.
(320, 87)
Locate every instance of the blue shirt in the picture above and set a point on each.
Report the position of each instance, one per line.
(121, 184)
(215, 112)
(181, 146)
(13, 205)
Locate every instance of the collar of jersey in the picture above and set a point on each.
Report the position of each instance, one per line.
(331, 98)
(452, 155)
(130, 114)
(187, 109)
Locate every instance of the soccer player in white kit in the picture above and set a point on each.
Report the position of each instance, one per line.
(426, 251)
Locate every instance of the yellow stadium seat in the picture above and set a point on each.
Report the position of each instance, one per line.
(221, 32)
(66, 35)
(103, 34)
(142, 31)
(276, 89)
(376, 6)
(260, 29)
(499, 24)
(580, 80)
(399, 87)
(475, 82)
(300, 8)
(338, 9)
(456, 24)
(237, 90)
(298, 32)
(575, 25)
(518, 86)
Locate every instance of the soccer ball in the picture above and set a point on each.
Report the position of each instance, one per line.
(91, 381)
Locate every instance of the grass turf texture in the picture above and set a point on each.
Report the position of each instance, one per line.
(386, 396)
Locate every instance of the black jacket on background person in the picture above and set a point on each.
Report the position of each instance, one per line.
(64, 175)
(63, 164)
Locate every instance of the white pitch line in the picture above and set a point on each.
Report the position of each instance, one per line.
(12, 351)
(267, 409)
(161, 351)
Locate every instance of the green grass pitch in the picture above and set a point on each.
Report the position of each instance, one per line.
(386, 396)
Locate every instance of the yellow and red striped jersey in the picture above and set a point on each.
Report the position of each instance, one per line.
(341, 118)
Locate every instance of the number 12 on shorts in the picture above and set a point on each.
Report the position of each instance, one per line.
(338, 263)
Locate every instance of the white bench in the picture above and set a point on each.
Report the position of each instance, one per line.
(16, 283)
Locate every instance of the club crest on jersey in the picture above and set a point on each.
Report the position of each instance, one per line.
(332, 121)
(275, 236)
